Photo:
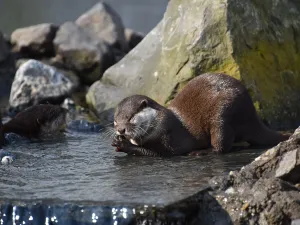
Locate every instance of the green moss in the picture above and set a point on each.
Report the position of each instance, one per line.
(228, 67)
(272, 72)
(90, 98)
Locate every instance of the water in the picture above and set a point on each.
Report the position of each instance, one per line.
(83, 167)
(140, 15)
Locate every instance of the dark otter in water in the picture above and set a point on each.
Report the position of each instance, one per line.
(36, 121)
(212, 110)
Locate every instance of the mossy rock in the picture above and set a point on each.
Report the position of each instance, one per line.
(255, 42)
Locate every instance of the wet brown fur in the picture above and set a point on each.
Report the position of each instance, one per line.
(220, 108)
(212, 110)
(29, 122)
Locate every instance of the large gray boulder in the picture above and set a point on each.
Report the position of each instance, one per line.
(35, 40)
(36, 83)
(104, 22)
(82, 53)
(256, 43)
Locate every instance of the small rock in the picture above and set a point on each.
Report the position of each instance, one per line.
(36, 83)
(219, 182)
(133, 38)
(230, 191)
(6, 157)
(68, 104)
(7, 160)
(297, 131)
(35, 40)
(104, 22)
(245, 206)
(4, 48)
(82, 53)
(289, 166)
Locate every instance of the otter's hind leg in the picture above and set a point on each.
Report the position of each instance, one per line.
(222, 137)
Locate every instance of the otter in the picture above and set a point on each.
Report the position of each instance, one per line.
(213, 110)
(35, 121)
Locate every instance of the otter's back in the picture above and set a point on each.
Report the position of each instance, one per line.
(206, 99)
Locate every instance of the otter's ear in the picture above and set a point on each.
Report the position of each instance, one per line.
(144, 104)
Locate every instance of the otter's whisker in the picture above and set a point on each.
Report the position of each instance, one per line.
(108, 133)
(141, 129)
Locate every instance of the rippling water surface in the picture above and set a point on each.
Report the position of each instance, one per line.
(84, 167)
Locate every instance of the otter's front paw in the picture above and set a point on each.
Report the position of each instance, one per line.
(121, 143)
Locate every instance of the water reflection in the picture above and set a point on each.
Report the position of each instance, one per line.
(39, 214)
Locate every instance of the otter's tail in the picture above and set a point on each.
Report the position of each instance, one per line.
(264, 136)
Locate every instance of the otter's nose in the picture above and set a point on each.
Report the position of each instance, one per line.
(121, 131)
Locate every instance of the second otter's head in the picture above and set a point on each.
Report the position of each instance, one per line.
(135, 118)
(56, 118)
(50, 118)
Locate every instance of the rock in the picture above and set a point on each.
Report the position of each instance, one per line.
(264, 191)
(104, 95)
(69, 104)
(7, 160)
(36, 83)
(6, 157)
(256, 43)
(35, 41)
(104, 22)
(82, 53)
(96, 95)
(133, 38)
(289, 167)
(4, 48)
(7, 68)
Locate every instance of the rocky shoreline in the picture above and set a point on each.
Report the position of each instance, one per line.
(267, 191)
(74, 54)
(96, 61)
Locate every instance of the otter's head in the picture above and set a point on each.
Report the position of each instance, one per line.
(135, 118)
(60, 121)
(55, 118)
